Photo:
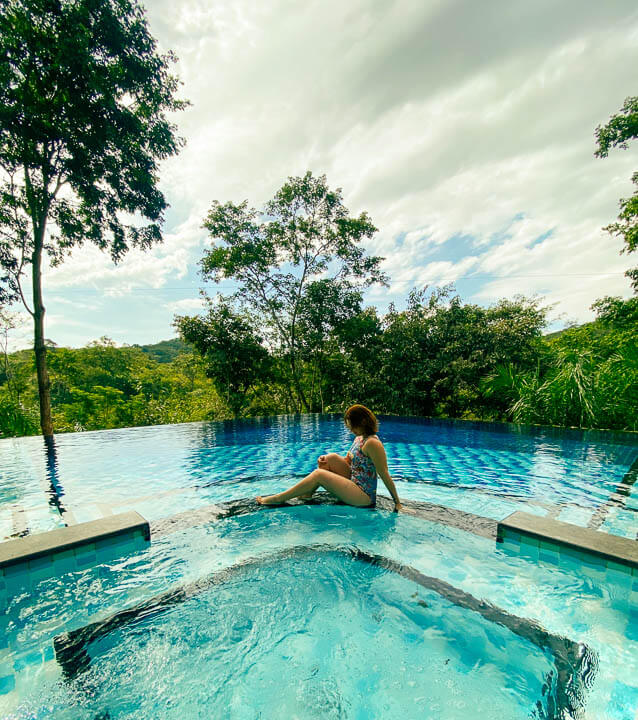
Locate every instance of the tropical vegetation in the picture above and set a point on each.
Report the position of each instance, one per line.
(439, 357)
(84, 105)
(84, 97)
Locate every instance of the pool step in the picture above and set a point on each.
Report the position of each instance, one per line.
(26, 561)
(561, 543)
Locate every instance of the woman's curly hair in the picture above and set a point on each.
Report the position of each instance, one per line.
(359, 417)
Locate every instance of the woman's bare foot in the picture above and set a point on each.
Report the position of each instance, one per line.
(268, 500)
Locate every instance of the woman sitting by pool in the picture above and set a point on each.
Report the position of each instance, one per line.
(352, 478)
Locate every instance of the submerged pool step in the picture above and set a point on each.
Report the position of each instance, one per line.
(560, 543)
(26, 561)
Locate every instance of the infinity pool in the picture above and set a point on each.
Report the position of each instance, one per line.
(318, 610)
(487, 469)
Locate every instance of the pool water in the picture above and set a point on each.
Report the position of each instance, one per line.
(162, 470)
(318, 610)
(271, 641)
(226, 613)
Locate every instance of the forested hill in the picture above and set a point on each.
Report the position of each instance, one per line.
(164, 351)
(439, 357)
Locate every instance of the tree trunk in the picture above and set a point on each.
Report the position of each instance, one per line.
(289, 397)
(297, 383)
(312, 385)
(44, 384)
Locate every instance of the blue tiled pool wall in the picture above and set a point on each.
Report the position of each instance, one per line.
(491, 472)
(595, 612)
(623, 577)
(23, 577)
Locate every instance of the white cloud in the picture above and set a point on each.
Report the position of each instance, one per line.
(441, 119)
(186, 306)
(89, 266)
(77, 304)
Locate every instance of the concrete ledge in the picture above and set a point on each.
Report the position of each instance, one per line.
(32, 547)
(545, 532)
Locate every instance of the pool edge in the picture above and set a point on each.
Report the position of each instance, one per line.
(554, 538)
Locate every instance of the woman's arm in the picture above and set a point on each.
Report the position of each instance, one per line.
(374, 449)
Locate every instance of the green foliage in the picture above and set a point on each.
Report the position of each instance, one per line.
(166, 350)
(84, 98)
(587, 376)
(83, 103)
(438, 357)
(103, 386)
(15, 418)
(233, 354)
(438, 349)
(304, 234)
(621, 128)
(326, 312)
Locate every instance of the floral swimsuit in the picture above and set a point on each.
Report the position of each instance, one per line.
(364, 473)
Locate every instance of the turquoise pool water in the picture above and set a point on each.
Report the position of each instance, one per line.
(162, 470)
(318, 611)
(231, 614)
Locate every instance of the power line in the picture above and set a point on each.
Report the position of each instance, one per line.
(181, 288)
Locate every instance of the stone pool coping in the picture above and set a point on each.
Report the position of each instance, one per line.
(41, 545)
(27, 560)
(555, 536)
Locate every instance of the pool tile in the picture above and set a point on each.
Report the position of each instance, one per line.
(108, 542)
(17, 581)
(624, 701)
(7, 684)
(618, 578)
(632, 625)
(41, 563)
(594, 561)
(33, 658)
(64, 562)
(508, 546)
(549, 552)
(85, 558)
(570, 552)
(618, 568)
(530, 540)
(529, 552)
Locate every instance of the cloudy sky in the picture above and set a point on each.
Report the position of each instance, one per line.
(465, 129)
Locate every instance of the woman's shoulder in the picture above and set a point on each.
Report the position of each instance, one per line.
(371, 440)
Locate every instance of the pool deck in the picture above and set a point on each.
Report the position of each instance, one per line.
(555, 536)
(26, 560)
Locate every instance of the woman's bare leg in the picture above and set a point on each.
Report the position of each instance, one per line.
(336, 464)
(333, 462)
(338, 485)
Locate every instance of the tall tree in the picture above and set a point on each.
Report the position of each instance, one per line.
(303, 234)
(83, 102)
(325, 309)
(623, 126)
(233, 354)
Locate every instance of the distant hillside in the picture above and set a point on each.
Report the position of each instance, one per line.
(557, 333)
(554, 334)
(166, 350)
